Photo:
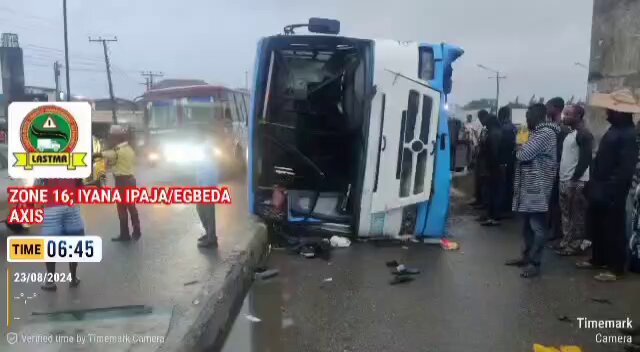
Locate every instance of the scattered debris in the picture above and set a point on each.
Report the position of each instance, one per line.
(252, 319)
(329, 279)
(392, 264)
(431, 240)
(401, 279)
(601, 300)
(403, 270)
(196, 302)
(564, 318)
(541, 348)
(191, 283)
(261, 269)
(339, 241)
(449, 245)
(405, 247)
(267, 274)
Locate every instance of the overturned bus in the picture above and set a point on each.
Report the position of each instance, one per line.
(350, 135)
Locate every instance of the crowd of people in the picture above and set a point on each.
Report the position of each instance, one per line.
(570, 199)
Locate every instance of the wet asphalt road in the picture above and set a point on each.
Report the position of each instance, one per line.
(464, 300)
(152, 271)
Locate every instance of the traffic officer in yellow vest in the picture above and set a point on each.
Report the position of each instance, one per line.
(122, 159)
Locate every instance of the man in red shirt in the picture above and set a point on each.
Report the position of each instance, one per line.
(62, 220)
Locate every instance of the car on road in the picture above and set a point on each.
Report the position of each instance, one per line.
(6, 181)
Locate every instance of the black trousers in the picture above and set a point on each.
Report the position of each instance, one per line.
(606, 225)
(124, 210)
(496, 192)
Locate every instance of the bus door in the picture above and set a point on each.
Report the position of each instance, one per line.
(409, 119)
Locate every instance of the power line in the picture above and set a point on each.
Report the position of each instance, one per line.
(149, 75)
(104, 42)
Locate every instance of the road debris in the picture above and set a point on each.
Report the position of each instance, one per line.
(541, 348)
(392, 264)
(266, 274)
(401, 279)
(329, 279)
(287, 322)
(449, 245)
(564, 318)
(191, 283)
(403, 270)
(252, 318)
(601, 300)
(339, 242)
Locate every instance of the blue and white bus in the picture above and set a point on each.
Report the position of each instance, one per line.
(351, 133)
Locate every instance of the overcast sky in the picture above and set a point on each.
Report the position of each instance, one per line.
(535, 43)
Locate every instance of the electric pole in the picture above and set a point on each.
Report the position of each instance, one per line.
(56, 77)
(246, 80)
(66, 49)
(106, 60)
(148, 76)
(497, 77)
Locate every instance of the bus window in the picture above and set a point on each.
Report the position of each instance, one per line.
(426, 64)
(243, 107)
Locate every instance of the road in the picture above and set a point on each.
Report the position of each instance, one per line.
(464, 300)
(150, 272)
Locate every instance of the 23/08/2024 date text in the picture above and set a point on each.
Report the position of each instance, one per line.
(24, 277)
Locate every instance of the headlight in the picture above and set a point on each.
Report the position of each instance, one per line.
(153, 156)
(184, 153)
(217, 151)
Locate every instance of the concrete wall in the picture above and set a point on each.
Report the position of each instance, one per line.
(615, 53)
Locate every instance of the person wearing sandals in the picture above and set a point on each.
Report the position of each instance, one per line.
(536, 169)
(609, 184)
(61, 220)
(574, 174)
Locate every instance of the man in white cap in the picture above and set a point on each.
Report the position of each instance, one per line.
(122, 159)
(610, 181)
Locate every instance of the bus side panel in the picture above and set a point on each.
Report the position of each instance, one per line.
(258, 91)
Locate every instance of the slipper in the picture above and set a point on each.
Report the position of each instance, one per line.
(566, 252)
(585, 264)
(516, 262)
(606, 277)
(530, 272)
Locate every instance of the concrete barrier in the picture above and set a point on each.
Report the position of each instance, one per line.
(205, 323)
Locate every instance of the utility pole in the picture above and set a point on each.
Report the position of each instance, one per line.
(66, 49)
(56, 77)
(246, 80)
(149, 75)
(497, 77)
(106, 60)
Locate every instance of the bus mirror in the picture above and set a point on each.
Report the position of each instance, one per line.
(324, 26)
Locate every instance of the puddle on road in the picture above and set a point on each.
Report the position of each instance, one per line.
(264, 301)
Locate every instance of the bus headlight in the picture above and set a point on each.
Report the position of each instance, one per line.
(184, 153)
(153, 156)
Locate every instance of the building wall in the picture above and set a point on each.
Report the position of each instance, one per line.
(615, 53)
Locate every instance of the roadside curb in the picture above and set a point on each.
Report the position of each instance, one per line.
(207, 320)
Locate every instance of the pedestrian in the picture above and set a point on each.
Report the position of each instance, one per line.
(610, 180)
(479, 163)
(207, 175)
(577, 150)
(555, 107)
(470, 139)
(61, 220)
(535, 171)
(3, 136)
(507, 157)
(122, 159)
(455, 126)
(494, 179)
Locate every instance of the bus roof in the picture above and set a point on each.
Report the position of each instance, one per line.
(187, 92)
